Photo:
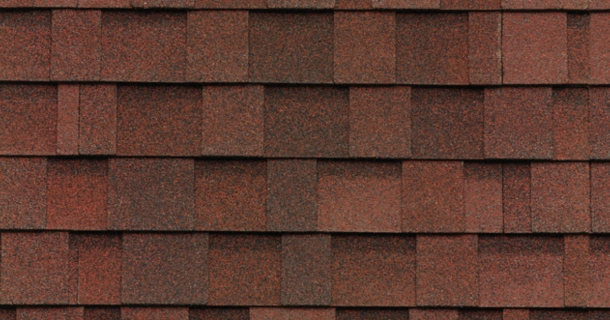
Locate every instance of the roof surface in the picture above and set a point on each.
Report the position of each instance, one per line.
(304, 159)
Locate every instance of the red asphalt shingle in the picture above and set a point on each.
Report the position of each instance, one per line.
(77, 46)
(231, 195)
(292, 195)
(373, 270)
(304, 159)
(306, 274)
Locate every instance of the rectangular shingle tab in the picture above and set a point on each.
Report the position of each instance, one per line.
(217, 46)
(291, 47)
(373, 270)
(306, 277)
(38, 269)
(143, 46)
(76, 49)
(150, 194)
(26, 53)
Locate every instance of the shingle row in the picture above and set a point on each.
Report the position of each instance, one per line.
(304, 195)
(372, 47)
(318, 4)
(261, 313)
(398, 122)
(491, 271)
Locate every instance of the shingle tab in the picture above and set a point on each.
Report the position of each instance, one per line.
(219, 313)
(28, 119)
(447, 270)
(576, 267)
(301, 4)
(97, 119)
(447, 123)
(154, 313)
(291, 47)
(432, 48)
(102, 313)
(534, 47)
(571, 124)
(306, 276)
(54, 313)
(433, 196)
(406, 4)
(560, 197)
(76, 49)
(26, 53)
(306, 122)
(231, 195)
(231, 4)
(159, 120)
(523, 271)
(23, 193)
(245, 270)
(67, 119)
(372, 314)
(599, 44)
(151, 194)
(579, 47)
(164, 269)
(217, 46)
(38, 268)
(359, 196)
(78, 194)
(599, 276)
(292, 313)
(233, 120)
(433, 314)
(365, 45)
(373, 270)
(531, 107)
(516, 197)
(484, 44)
(380, 122)
(600, 197)
(99, 268)
(471, 4)
(483, 197)
(143, 46)
(292, 195)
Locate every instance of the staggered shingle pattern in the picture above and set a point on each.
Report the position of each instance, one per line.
(304, 159)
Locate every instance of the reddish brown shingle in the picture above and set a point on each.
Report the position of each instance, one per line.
(359, 196)
(26, 53)
(432, 48)
(373, 270)
(38, 268)
(291, 47)
(100, 258)
(380, 122)
(365, 45)
(433, 196)
(447, 270)
(143, 46)
(78, 194)
(76, 49)
(230, 195)
(217, 46)
(245, 270)
(164, 269)
(306, 274)
(534, 47)
(524, 271)
(151, 194)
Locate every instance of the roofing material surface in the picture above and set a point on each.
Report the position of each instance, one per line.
(304, 159)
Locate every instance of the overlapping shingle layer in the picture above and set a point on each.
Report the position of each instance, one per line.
(304, 159)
